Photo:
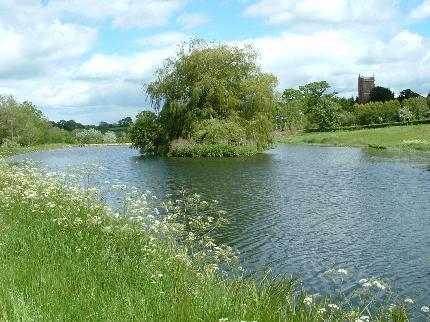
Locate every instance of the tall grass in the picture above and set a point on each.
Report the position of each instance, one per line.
(66, 256)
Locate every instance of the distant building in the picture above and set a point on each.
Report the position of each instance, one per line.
(365, 86)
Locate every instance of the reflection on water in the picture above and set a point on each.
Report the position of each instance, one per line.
(300, 210)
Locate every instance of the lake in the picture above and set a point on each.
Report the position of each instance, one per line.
(299, 210)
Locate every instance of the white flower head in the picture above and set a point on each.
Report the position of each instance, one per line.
(333, 306)
(322, 311)
(308, 300)
(425, 309)
(410, 301)
(342, 271)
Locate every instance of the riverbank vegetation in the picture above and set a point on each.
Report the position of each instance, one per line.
(67, 256)
(400, 137)
(208, 95)
(23, 125)
(312, 107)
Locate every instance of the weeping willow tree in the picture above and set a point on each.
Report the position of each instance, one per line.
(209, 86)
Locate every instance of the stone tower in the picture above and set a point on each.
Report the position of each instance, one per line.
(365, 86)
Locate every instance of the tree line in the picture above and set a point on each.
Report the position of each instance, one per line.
(22, 124)
(312, 106)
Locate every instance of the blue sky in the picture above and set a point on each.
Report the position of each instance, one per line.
(86, 60)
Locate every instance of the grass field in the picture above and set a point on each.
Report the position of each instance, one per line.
(67, 257)
(402, 137)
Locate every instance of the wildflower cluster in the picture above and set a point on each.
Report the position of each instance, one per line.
(143, 255)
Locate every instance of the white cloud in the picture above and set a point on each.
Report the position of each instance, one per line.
(162, 39)
(36, 49)
(124, 13)
(191, 20)
(316, 11)
(339, 56)
(422, 11)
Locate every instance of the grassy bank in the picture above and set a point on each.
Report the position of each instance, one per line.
(403, 137)
(66, 256)
(34, 148)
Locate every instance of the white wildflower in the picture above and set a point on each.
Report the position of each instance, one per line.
(410, 301)
(307, 300)
(379, 285)
(363, 318)
(342, 271)
(425, 309)
(392, 307)
(363, 280)
(333, 306)
(322, 311)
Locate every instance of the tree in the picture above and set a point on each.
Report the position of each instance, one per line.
(147, 134)
(381, 94)
(125, 122)
(407, 93)
(314, 91)
(417, 106)
(104, 127)
(210, 81)
(23, 124)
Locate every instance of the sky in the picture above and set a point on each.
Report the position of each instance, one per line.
(87, 60)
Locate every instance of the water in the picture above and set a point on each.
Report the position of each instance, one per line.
(301, 210)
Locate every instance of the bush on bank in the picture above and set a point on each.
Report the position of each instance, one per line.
(66, 256)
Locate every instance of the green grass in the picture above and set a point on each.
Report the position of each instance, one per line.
(33, 148)
(64, 256)
(403, 137)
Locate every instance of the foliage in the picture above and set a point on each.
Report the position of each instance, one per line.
(125, 122)
(25, 125)
(70, 125)
(381, 94)
(147, 134)
(417, 106)
(325, 114)
(406, 94)
(209, 81)
(378, 112)
(109, 137)
(90, 136)
(310, 105)
(181, 148)
(231, 131)
(10, 144)
(290, 117)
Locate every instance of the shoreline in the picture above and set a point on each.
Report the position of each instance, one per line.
(405, 138)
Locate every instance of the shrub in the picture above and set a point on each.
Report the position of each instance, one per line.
(184, 148)
(8, 144)
(109, 137)
(417, 106)
(90, 136)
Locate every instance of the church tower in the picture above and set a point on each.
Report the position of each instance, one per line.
(365, 86)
